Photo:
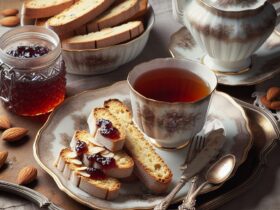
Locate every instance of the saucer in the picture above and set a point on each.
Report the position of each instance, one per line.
(57, 132)
(265, 61)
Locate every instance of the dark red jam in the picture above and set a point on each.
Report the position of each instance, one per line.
(107, 129)
(95, 173)
(29, 51)
(103, 162)
(81, 147)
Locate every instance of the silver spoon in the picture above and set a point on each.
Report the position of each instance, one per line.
(216, 174)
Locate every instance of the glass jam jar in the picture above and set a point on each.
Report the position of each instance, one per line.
(32, 70)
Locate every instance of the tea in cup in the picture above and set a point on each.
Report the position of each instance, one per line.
(170, 99)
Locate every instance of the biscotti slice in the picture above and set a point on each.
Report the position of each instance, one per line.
(150, 168)
(45, 8)
(117, 164)
(106, 129)
(78, 14)
(91, 180)
(114, 15)
(143, 9)
(106, 37)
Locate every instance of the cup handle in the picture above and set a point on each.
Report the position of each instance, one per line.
(177, 8)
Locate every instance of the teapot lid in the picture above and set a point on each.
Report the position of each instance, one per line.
(234, 5)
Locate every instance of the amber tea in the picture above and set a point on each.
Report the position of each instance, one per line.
(171, 85)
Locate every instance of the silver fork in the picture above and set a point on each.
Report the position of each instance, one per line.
(198, 142)
(185, 205)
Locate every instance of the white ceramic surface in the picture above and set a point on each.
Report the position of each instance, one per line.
(265, 61)
(72, 114)
(103, 60)
(170, 125)
(229, 31)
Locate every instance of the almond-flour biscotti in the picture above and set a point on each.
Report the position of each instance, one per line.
(106, 129)
(115, 15)
(106, 37)
(77, 15)
(150, 168)
(45, 8)
(91, 180)
(117, 164)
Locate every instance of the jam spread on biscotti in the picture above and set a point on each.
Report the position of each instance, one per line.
(81, 147)
(103, 162)
(95, 173)
(107, 129)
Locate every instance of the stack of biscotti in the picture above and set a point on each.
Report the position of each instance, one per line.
(96, 159)
(91, 180)
(89, 24)
(150, 168)
(123, 164)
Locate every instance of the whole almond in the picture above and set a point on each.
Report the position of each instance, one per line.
(4, 122)
(10, 21)
(9, 12)
(265, 102)
(27, 175)
(3, 158)
(275, 105)
(14, 134)
(273, 94)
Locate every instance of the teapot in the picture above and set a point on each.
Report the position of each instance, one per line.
(229, 31)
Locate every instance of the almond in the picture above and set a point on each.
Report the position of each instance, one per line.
(27, 175)
(14, 134)
(10, 21)
(275, 105)
(265, 102)
(4, 122)
(9, 12)
(273, 94)
(3, 158)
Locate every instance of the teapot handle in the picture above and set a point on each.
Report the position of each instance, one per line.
(177, 8)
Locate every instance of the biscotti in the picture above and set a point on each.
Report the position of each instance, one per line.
(45, 8)
(117, 164)
(143, 9)
(78, 14)
(90, 180)
(115, 15)
(150, 168)
(106, 129)
(106, 37)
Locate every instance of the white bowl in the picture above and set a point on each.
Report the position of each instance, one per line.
(103, 60)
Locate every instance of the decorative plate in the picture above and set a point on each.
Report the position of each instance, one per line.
(265, 62)
(72, 114)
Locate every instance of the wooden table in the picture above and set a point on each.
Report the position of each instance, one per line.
(263, 196)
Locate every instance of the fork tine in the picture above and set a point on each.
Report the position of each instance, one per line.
(188, 151)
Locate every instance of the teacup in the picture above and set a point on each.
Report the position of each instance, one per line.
(170, 121)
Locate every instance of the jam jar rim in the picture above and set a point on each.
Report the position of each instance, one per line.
(30, 64)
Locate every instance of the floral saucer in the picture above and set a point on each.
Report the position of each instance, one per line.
(265, 62)
(72, 115)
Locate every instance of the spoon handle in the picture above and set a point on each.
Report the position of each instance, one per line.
(167, 200)
(189, 203)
